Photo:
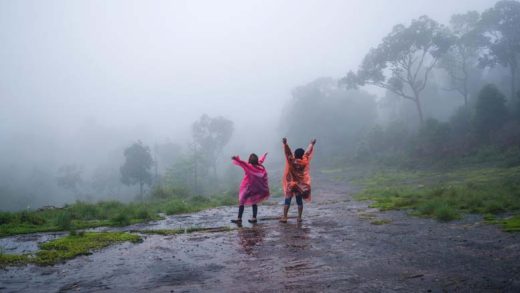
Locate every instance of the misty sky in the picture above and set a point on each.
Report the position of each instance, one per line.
(158, 65)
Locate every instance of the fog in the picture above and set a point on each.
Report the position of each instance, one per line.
(80, 81)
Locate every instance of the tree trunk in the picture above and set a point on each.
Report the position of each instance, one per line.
(418, 105)
(195, 176)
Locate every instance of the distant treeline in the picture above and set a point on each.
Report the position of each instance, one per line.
(451, 91)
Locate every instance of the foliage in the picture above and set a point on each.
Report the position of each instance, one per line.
(490, 112)
(445, 195)
(136, 169)
(500, 26)
(337, 115)
(107, 213)
(69, 177)
(461, 59)
(68, 247)
(409, 54)
(210, 136)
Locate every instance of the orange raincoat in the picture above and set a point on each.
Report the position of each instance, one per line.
(296, 177)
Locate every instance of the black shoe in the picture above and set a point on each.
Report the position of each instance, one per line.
(239, 221)
(252, 221)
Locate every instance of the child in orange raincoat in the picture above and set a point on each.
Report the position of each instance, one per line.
(296, 180)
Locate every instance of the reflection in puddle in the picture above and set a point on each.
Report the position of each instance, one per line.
(251, 237)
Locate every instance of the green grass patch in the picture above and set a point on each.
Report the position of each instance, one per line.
(13, 259)
(68, 247)
(81, 215)
(446, 195)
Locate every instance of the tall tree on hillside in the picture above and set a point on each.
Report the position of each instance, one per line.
(501, 26)
(403, 62)
(463, 56)
(136, 169)
(490, 112)
(69, 177)
(210, 135)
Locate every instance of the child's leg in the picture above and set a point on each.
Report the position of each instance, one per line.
(286, 209)
(299, 202)
(255, 211)
(240, 211)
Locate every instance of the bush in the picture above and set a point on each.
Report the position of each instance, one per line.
(445, 213)
(30, 218)
(121, 219)
(144, 214)
(490, 112)
(6, 218)
(64, 220)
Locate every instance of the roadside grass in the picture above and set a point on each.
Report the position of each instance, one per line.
(68, 247)
(447, 195)
(508, 224)
(82, 215)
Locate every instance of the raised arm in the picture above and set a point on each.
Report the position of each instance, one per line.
(287, 149)
(237, 161)
(262, 158)
(310, 149)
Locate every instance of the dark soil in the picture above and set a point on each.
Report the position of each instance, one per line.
(338, 247)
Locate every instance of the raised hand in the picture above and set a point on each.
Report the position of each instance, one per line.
(284, 140)
(234, 158)
(313, 141)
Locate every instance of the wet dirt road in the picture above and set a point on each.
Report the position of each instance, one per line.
(335, 249)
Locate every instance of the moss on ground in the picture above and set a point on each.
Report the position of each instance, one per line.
(68, 247)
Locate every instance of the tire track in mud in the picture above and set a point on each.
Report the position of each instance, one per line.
(336, 248)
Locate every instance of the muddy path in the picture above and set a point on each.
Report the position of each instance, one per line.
(336, 248)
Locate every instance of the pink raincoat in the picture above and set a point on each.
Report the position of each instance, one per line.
(254, 187)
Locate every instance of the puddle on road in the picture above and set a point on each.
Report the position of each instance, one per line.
(28, 243)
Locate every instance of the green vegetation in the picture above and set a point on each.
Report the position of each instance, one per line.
(108, 213)
(13, 259)
(447, 195)
(68, 247)
(509, 224)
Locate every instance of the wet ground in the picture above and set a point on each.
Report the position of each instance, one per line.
(336, 248)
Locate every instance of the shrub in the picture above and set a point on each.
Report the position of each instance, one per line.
(64, 220)
(6, 218)
(30, 218)
(490, 112)
(121, 219)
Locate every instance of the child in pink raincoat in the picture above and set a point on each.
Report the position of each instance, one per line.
(254, 187)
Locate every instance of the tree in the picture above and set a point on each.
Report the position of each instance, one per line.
(501, 26)
(69, 177)
(403, 62)
(337, 115)
(136, 169)
(462, 57)
(210, 135)
(490, 112)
